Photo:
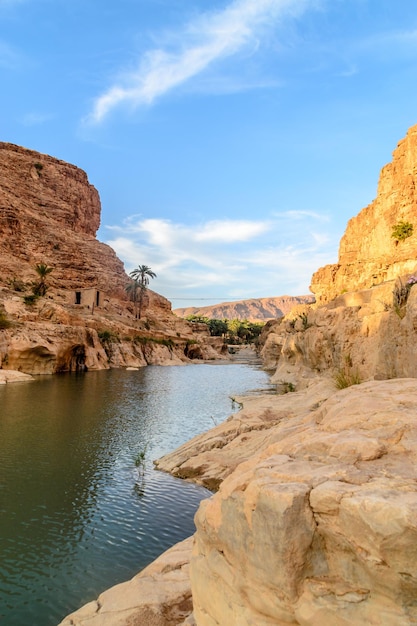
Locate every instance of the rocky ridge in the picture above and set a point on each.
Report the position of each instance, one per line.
(50, 213)
(253, 310)
(313, 519)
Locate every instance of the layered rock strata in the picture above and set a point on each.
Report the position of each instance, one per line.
(50, 213)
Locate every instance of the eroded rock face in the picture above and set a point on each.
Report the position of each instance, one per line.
(50, 213)
(368, 254)
(359, 334)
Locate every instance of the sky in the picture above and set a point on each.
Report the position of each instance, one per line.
(230, 140)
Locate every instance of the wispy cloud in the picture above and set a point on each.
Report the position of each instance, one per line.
(209, 38)
(228, 231)
(227, 258)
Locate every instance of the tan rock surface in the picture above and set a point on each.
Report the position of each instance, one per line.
(318, 526)
(359, 335)
(368, 254)
(209, 458)
(314, 522)
(12, 376)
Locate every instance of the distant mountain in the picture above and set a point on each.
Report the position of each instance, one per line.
(254, 310)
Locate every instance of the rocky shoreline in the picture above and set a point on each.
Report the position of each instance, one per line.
(320, 481)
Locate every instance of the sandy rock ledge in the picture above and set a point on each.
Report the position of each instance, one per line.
(12, 376)
(314, 522)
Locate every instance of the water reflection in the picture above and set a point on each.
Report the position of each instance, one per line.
(76, 513)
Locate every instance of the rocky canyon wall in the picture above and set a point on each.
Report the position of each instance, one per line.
(368, 254)
(50, 213)
(363, 323)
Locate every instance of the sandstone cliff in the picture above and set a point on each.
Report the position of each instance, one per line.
(253, 310)
(364, 322)
(368, 254)
(50, 213)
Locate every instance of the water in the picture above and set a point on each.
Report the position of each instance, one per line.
(77, 515)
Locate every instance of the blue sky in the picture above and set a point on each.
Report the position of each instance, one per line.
(230, 140)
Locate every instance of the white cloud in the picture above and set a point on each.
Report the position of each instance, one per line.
(264, 258)
(210, 37)
(229, 231)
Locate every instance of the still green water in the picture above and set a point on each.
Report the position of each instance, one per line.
(76, 513)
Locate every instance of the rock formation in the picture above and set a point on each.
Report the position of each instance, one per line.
(317, 525)
(368, 254)
(253, 310)
(364, 321)
(50, 213)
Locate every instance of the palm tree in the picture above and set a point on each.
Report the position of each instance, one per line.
(141, 276)
(132, 290)
(42, 270)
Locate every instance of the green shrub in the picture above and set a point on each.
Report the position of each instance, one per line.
(304, 321)
(346, 378)
(400, 295)
(107, 335)
(402, 230)
(286, 386)
(140, 339)
(31, 299)
(141, 457)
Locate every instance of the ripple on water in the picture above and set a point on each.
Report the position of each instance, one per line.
(77, 515)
